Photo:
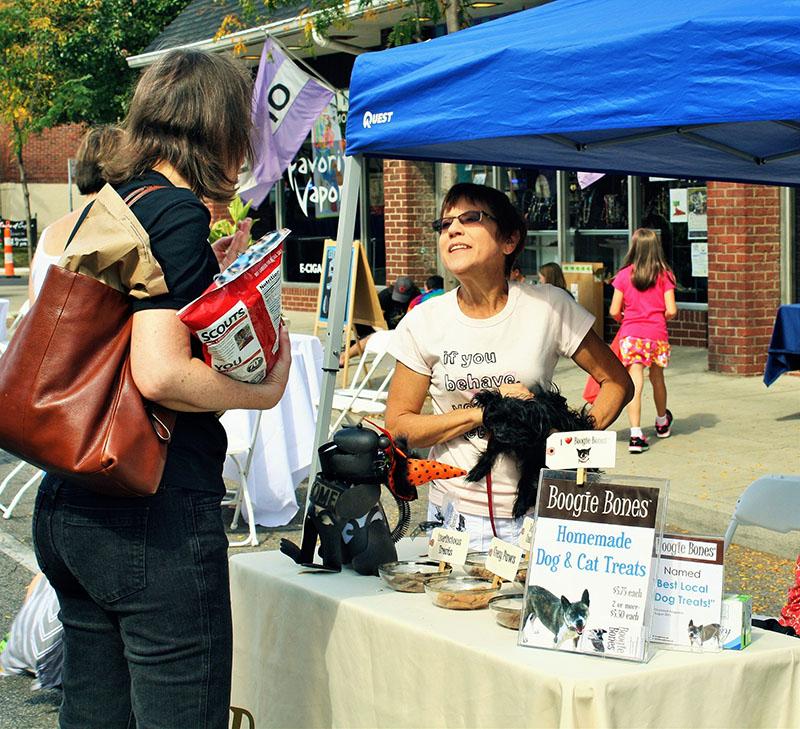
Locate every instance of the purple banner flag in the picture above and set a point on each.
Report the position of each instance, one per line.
(286, 101)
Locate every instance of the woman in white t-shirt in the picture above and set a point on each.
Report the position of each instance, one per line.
(487, 333)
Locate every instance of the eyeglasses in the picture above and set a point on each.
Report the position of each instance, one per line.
(466, 218)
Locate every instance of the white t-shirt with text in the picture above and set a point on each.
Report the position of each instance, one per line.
(521, 343)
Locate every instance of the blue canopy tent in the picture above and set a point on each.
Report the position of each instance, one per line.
(691, 88)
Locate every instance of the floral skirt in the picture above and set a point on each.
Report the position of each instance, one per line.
(646, 352)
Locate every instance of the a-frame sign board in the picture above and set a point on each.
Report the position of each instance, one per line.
(363, 306)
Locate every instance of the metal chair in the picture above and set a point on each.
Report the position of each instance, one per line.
(24, 309)
(240, 454)
(359, 399)
(771, 502)
(21, 491)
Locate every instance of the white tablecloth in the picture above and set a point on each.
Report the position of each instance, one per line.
(4, 304)
(282, 455)
(342, 650)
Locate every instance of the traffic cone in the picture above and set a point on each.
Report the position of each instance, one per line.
(8, 251)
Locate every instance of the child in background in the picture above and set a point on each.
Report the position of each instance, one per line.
(551, 273)
(434, 286)
(644, 301)
(516, 274)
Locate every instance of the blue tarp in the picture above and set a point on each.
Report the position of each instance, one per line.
(688, 88)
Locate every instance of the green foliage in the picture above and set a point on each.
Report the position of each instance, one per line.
(238, 212)
(64, 60)
(332, 15)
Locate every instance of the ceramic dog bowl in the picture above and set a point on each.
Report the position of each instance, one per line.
(460, 593)
(410, 576)
(507, 610)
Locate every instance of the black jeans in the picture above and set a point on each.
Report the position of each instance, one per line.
(145, 603)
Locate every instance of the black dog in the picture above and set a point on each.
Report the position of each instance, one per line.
(520, 428)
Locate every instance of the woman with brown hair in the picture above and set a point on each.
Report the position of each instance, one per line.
(551, 273)
(143, 582)
(488, 333)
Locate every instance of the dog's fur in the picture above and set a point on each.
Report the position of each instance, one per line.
(520, 428)
(564, 619)
(699, 634)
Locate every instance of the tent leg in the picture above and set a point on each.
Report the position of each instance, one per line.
(341, 272)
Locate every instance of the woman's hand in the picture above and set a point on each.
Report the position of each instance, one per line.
(278, 376)
(404, 407)
(616, 387)
(228, 248)
(516, 389)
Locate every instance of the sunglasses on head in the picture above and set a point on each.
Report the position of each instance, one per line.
(466, 218)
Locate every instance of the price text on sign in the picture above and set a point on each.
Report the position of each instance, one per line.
(504, 559)
(526, 533)
(448, 545)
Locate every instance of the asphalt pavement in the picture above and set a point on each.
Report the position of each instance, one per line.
(727, 432)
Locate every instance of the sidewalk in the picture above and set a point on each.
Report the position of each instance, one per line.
(728, 431)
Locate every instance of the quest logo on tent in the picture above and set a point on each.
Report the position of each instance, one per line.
(380, 117)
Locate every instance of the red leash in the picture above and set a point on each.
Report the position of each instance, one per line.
(489, 498)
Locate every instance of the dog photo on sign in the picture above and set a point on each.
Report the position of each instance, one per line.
(699, 635)
(553, 622)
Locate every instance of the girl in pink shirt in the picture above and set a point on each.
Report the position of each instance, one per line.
(644, 300)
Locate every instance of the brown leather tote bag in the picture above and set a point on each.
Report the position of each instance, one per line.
(68, 403)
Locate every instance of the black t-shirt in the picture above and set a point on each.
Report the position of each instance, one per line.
(178, 225)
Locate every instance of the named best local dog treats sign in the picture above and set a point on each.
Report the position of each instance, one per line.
(589, 587)
(688, 595)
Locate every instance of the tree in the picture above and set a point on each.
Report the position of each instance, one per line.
(36, 92)
(333, 14)
(64, 61)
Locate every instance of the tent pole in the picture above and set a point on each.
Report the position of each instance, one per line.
(339, 289)
(634, 205)
(566, 250)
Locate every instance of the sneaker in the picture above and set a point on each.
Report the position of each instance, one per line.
(663, 431)
(637, 445)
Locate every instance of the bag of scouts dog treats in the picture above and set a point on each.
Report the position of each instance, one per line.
(238, 317)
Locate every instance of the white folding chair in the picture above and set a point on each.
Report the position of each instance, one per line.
(240, 454)
(359, 399)
(24, 309)
(37, 476)
(771, 502)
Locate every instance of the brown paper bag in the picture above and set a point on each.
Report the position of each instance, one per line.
(112, 246)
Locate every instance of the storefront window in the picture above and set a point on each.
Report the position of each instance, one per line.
(307, 200)
(677, 208)
(311, 211)
(598, 219)
(376, 241)
(535, 194)
(598, 211)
